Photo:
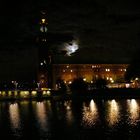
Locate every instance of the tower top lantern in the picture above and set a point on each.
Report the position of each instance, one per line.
(43, 20)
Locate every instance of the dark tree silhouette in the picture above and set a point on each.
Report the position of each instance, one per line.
(101, 83)
(133, 69)
(79, 85)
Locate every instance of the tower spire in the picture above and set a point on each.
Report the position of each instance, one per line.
(44, 54)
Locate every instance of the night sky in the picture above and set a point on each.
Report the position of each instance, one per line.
(106, 31)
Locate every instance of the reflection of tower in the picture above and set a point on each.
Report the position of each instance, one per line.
(44, 73)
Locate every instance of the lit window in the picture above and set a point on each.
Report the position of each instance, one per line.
(42, 76)
(127, 85)
(107, 69)
(44, 62)
(43, 29)
(136, 78)
(44, 40)
(84, 79)
(111, 79)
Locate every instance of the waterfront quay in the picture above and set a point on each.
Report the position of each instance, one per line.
(24, 94)
(58, 95)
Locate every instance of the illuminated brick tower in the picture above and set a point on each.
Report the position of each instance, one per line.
(44, 71)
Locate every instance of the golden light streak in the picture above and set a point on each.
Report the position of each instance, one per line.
(69, 114)
(41, 114)
(14, 115)
(133, 110)
(113, 113)
(90, 114)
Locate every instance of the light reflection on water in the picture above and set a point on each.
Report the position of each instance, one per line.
(113, 115)
(90, 114)
(41, 114)
(69, 113)
(15, 119)
(14, 115)
(44, 116)
(133, 111)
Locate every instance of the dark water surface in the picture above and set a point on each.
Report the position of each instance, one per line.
(72, 119)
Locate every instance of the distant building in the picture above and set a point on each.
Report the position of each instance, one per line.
(89, 72)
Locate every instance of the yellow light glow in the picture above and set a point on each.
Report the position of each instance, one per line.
(24, 93)
(84, 79)
(133, 110)
(47, 92)
(41, 115)
(111, 79)
(136, 78)
(14, 115)
(127, 85)
(113, 113)
(90, 114)
(15, 93)
(43, 20)
(3, 93)
(34, 93)
(69, 113)
(107, 69)
(44, 88)
(9, 93)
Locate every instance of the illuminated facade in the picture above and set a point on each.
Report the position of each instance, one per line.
(89, 72)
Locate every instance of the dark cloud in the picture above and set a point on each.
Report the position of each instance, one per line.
(105, 29)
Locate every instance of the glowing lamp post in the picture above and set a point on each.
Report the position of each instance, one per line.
(38, 86)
